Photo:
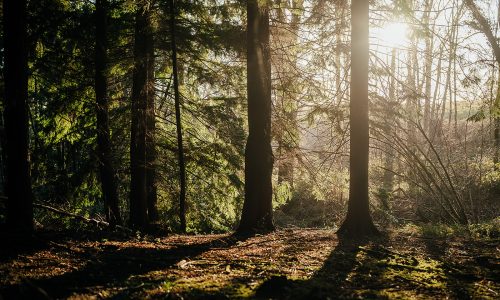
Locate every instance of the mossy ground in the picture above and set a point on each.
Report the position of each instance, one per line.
(286, 264)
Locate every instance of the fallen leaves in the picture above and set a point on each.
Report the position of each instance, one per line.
(297, 263)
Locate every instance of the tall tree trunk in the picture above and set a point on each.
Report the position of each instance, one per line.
(358, 221)
(496, 126)
(435, 107)
(151, 189)
(178, 123)
(107, 172)
(142, 89)
(389, 126)
(447, 87)
(257, 207)
(428, 64)
(18, 181)
(456, 13)
(2, 153)
(340, 14)
(285, 37)
(412, 87)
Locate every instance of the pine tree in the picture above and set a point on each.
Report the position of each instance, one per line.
(358, 221)
(18, 180)
(257, 207)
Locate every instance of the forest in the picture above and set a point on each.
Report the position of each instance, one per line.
(263, 149)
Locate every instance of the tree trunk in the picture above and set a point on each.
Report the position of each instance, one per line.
(495, 109)
(151, 189)
(107, 172)
(2, 154)
(257, 207)
(18, 181)
(428, 65)
(435, 107)
(178, 123)
(388, 178)
(285, 38)
(340, 11)
(358, 221)
(142, 89)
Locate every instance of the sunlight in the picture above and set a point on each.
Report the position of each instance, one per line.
(392, 34)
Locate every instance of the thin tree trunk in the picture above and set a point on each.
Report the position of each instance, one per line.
(496, 127)
(453, 67)
(358, 221)
(18, 181)
(428, 64)
(257, 207)
(178, 123)
(389, 124)
(455, 77)
(2, 155)
(151, 189)
(285, 37)
(107, 173)
(338, 53)
(142, 87)
(412, 86)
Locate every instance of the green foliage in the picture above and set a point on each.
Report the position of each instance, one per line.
(310, 83)
(282, 194)
(489, 229)
(478, 116)
(485, 230)
(304, 209)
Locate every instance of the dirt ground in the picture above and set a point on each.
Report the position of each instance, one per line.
(286, 264)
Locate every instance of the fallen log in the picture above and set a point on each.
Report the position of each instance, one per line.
(96, 222)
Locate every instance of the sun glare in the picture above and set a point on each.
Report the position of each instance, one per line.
(392, 34)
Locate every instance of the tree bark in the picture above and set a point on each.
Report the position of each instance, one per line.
(107, 172)
(388, 178)
(142, 89)
(257, 207)
(358, 221)
(178, 123)
(19, 215)
(151, 188)
(428, 65)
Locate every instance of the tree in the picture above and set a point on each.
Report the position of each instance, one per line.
(142, 90)
(18, 180)
(485, 28)
(107, 173)
(285, 52)
(427, 64)
(151, 153)
(257, 206)
(178, 123)
(358, 221)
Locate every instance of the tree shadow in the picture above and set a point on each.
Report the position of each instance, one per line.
(343, 271)
(458, 278)
(27, 244)
(118, 268)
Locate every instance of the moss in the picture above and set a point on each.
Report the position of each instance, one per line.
(215, 286)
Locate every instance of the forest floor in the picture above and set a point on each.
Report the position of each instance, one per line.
(286, 264)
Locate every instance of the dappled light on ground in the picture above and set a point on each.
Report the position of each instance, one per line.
(292, 264)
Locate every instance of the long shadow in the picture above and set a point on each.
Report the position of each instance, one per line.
(335, 280)
(458, 278)
(113, 268)
(22, 244)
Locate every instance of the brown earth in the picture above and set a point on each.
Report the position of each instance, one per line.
(286, 264)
